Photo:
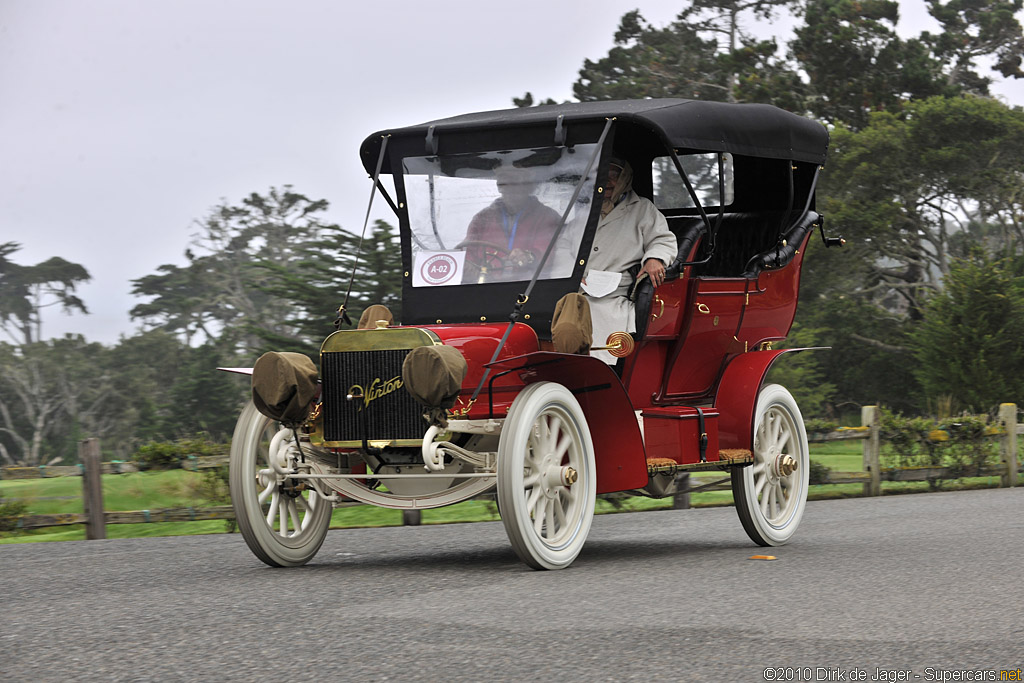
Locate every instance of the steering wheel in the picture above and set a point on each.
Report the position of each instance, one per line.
(490, 255)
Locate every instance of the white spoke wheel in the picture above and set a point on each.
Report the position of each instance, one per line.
(771, 494)
(547, 484)
(283, 526)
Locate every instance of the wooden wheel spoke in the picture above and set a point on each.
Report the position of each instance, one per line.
(759, 485)
(560, 505)
(544, 429)
(275, 500)
(282, 518)
(568, 495)
(538, 518)
(562, 447)
(266, 493)
(776, 428)
(785, 441)
(531, 501)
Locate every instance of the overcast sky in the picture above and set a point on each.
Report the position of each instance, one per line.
(122, 122)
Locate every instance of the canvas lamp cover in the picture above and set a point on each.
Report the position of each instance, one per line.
(438, 268)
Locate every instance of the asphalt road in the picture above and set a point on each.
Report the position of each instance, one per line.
(931, 583)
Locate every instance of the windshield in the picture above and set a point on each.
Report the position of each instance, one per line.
(490, 216)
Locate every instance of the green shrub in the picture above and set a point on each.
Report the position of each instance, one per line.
(157, 455)
(963, 444)
(817, 425)
(9, 512)
(818, 473)
(214, 489)
(169, 454)
(970, 449)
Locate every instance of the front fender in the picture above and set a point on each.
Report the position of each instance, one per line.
(736, 397)
(618, 446)
(237, 371)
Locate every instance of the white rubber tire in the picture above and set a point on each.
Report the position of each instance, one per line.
(546, 518)
(769, 502)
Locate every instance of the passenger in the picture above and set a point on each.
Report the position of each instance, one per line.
(632, 234)
(506, 240)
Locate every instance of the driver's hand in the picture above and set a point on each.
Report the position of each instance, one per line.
(520, 258)
(655, 270)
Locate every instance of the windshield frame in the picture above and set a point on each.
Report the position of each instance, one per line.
(498, 216)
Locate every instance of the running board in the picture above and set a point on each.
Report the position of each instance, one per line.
(728, 458)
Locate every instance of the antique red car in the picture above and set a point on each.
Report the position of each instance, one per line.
(549, 429)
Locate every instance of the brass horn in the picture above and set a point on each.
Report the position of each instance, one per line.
(619, 344)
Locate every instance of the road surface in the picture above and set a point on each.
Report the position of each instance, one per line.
(931, 584)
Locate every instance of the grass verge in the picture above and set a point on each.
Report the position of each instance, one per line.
(179, 488)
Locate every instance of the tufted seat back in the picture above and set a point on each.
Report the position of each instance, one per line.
(746, 242)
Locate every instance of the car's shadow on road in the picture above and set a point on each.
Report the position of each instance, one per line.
(485, 558)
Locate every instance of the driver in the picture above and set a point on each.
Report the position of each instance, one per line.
(506, 240)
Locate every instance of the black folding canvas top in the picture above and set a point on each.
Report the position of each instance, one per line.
(777, 156)
(757, 130)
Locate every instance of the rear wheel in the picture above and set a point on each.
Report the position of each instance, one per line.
(283, 521)
(547, 484)
(771, 494)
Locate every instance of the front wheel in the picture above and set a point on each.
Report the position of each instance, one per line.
(283, 521)
(547, 483)
(771, 494)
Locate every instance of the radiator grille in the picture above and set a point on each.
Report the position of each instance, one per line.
(391, 412)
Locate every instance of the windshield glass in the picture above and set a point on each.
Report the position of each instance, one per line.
(490, 216)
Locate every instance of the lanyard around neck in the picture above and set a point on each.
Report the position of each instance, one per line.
(515, 225)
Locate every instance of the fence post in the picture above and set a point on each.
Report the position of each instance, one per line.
(1008, 444)
(92, 489)
(412, 517)
(870, 418)
(681, 498)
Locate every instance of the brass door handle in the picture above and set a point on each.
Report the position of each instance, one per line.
(703, 308)
(661, 311)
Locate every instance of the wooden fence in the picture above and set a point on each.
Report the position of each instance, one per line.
(869, 432)
(90, 470)
(874, 474)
